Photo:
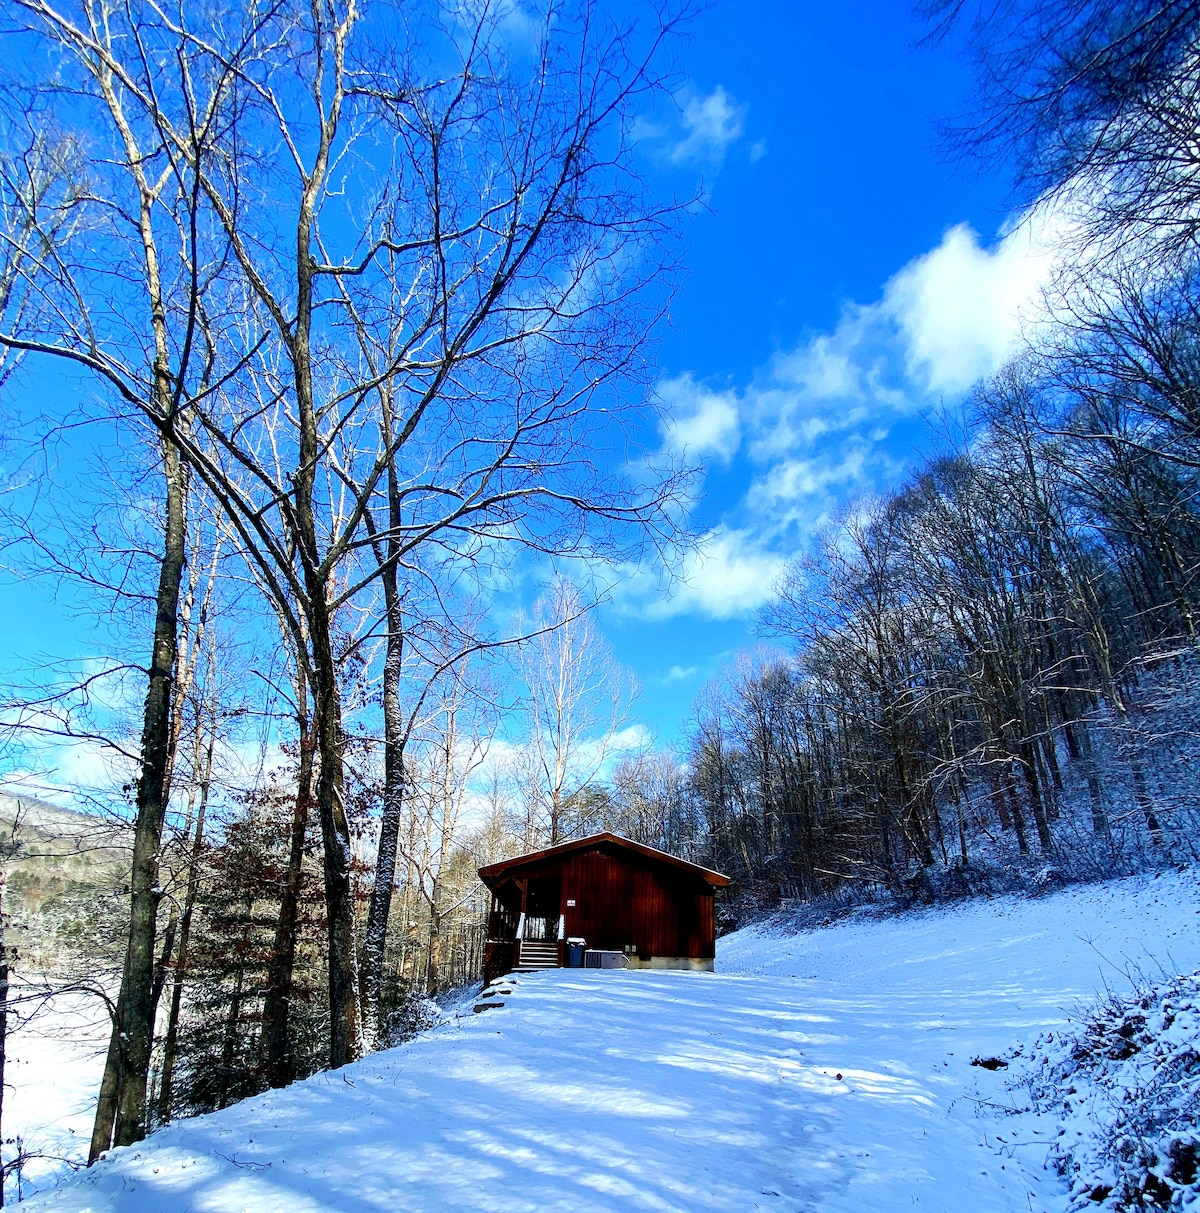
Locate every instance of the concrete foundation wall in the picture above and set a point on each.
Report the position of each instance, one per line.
(697, 964)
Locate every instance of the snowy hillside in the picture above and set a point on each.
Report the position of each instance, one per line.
(52, 1073)
(825, 1071)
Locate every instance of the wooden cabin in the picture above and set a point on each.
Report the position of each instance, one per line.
(601, 901)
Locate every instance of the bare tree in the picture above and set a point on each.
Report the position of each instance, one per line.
(38, 183)
(7, 848)
(1098, 100)
(454, 743)
(277, 998)
(150, 372)
(480, 223)
(578, 699)
(651, 804)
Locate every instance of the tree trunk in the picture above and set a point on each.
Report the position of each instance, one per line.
(3, 1028)
(938, 832)
(277, 999)
(432, 969)
(345, 1038)
(229, 1047)
(110, 1085)
(1142, 796)
(1046, 752)
(1000, 800)
(962, 829)
(164, 961)
(555, 818)
(1029, 769)
(916, 833)
(121, 1110)
(166, 1091)
(1050, 757)
(1014, 809)
(375, 937)
(379, 913)
(345, 1019)
(1079, 746)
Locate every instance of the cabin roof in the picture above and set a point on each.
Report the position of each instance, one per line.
(494, 873)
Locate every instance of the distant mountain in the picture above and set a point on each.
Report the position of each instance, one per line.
(66, 881)
(42, 817)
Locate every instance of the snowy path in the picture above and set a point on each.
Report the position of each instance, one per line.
(622, 1091)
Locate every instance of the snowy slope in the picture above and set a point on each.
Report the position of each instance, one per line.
(52, 1073)
(824, 1071)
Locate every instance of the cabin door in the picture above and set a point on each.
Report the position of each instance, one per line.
(542, 910)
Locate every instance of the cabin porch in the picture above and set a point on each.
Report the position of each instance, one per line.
(526, 928)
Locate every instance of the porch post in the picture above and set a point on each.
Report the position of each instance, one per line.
(523, 885)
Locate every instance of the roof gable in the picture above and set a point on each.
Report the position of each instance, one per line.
(494, 872)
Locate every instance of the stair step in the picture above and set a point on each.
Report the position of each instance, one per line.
(537, 954)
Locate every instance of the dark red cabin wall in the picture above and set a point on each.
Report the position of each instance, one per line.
(621, 899)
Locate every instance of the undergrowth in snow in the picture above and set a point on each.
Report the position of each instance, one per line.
(1123, 1086)
(410, 1017)
(982, 880)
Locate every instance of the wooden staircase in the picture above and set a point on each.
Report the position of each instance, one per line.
(537, 954)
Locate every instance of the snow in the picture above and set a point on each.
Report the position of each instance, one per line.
(1118, 1094)
(828, 1070)
(52, 1072)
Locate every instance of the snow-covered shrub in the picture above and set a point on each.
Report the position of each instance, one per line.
(1124, 1086)
(1048, 879)
(410, 1015)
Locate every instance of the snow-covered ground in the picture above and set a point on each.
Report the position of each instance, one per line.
(52, 1073)
(829, 1070)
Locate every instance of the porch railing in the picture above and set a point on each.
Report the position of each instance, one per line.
(503, 924)
(536, 929)
(507, 931)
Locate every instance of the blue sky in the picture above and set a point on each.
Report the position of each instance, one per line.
(846, 281)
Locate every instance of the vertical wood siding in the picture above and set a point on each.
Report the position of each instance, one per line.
(622, 898)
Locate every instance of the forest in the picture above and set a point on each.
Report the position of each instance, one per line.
(341, 329)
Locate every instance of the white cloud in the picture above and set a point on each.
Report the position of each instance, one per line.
(712, 123)
(796, 479)
(836, 416)
(961, 307)
(728, 574)
(798, 496)
(74, 773)
(945, 320)
(832, 383)
(826, 368)
(679, 673)
(505, 21)
(595, 756)
(631, 739)
(697, 420)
